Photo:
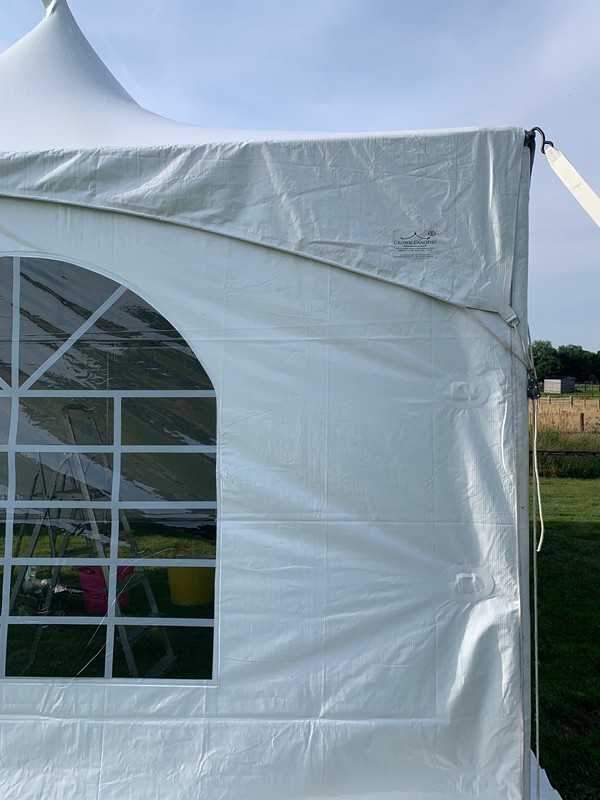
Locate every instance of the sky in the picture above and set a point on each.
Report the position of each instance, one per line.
(382, 65)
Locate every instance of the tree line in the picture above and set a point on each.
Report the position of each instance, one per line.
(566, 360)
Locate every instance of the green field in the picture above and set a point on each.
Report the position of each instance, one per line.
(556, 466)
(569, 598)
(588, 390)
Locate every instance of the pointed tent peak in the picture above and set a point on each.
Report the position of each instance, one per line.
(50, 5)
(59, 95)
(55, 64)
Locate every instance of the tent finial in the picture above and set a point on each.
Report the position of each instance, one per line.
(50, 5)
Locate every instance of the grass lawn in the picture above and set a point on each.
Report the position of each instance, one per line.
(591, 390)
(569, 599)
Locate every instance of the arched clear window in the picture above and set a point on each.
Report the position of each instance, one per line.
(107, 482)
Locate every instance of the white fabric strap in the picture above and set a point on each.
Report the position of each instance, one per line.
(580, 190)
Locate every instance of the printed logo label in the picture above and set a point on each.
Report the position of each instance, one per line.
(417, 245)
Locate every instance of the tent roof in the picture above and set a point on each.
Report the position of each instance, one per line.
(76, 137)
(58, 94)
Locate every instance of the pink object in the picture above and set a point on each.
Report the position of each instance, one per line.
(95, 593)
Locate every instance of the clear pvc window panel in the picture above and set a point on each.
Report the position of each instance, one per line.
(169, 533)
(61, 533)
(63, 476)
(3, 476)
(6, 319)
(108, 514)
(169, 420)
(65, 420)
(191, 647)
(167, 476)
(57, 651)
(2, 531)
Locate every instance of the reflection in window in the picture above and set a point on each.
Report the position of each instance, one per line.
(2, 531)
(61, 533)
(65, 420)
(169, 420)
(109, 516)
(6, 319)
(62, 475)
(56, 651)
(168, 533)
(168, 476)
(144, 646)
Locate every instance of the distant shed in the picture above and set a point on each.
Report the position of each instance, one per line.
(559, 385)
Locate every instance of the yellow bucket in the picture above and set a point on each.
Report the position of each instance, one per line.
(191, 586)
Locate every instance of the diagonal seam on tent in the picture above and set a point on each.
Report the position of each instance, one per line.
(215, 230)
(507, 313)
